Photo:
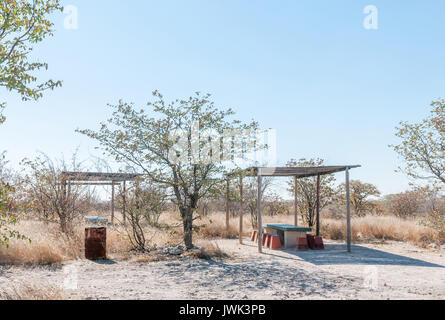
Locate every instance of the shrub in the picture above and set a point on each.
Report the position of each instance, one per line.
(436, 220)
(6, 218)
(406, 204)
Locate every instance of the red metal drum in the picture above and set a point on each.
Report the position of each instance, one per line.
(96, 243)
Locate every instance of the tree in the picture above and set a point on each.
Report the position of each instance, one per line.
(52, 200)
(307, 189)
(145, 204)
(177, 147)
(23, 24)
(423, 145)
(406, 204)
(276, 205)
(360, 193)
(250, 197)
(6, 218)
(435, 220)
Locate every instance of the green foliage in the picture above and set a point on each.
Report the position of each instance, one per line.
(436, 221)
(2, 117)
(6, 219)
(23, 24)
(423, 145)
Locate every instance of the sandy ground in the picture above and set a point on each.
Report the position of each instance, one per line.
(372, 271)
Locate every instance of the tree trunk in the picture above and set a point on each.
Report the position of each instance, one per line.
(187, 222)
(64, 224)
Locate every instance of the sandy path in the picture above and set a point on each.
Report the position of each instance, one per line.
(394, 270)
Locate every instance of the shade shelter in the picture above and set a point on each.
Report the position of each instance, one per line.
(296, 172)
(98, 179)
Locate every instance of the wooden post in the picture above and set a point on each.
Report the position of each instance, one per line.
(295, 201)
(227, 207)
(318, 206)
(260, 224)
(348, 212)
(68, 195)
(69, 188)
(112, 202)
(124, 202)
(241, 210)
(64, 196)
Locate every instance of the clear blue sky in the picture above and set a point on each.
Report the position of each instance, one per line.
(308, 69)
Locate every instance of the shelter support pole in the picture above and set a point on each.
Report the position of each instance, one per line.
(69, 194)
(124, 202)
(64, 196)
(112, 203)
(69, 188)
(260, 224)
(227, 206)
(318, 206)
(241, 210)
(295, 201)
(348, 212)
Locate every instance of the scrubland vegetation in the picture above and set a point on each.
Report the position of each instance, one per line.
(49, 245)
(180, 197)
(170, 205)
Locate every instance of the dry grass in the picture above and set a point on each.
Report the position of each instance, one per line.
(49, 246)
(367, 228)
(380, 228)
(209, 251)
(214, 226)
(30, 291)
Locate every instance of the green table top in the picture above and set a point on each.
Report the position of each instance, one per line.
(286, 227)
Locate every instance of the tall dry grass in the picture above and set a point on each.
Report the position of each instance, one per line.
(48, 245)
(366, 228)
(380, 228)
(31, 291)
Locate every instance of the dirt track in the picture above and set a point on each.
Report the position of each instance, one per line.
(388, 271)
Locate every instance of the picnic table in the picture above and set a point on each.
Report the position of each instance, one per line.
(288, 233)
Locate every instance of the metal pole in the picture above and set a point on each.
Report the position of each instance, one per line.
(348, 212)
(69, 195)
(260, 224)
(318, 206)
(124, 202)
(241, 210)
(112, 203)
(227, 207)
(64, 193)
(295, 201)
(69, 188)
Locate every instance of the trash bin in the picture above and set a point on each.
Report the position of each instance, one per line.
(96, 243)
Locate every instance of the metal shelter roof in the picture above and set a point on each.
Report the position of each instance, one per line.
(98, 176)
